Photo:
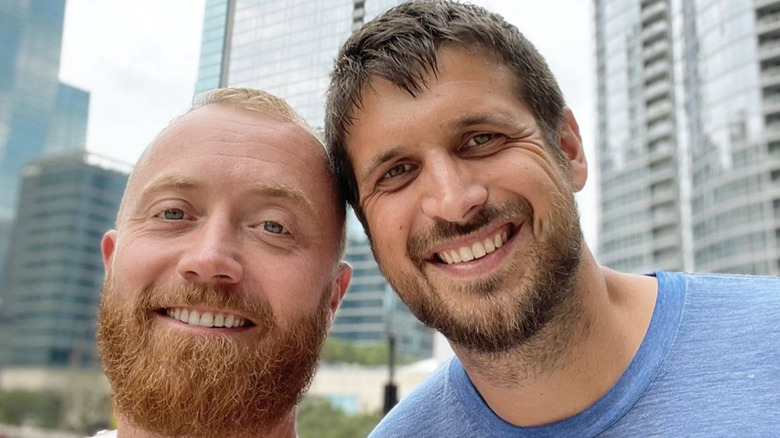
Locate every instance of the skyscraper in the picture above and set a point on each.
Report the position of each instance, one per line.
(37, 113)
(370, 310)
(54, 278)
(689, 151)
(287, 48)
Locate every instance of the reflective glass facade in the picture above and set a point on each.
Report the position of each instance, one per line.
(286, 48)
(370, 309)
(689, 144)
(54, 279)
(38, 114)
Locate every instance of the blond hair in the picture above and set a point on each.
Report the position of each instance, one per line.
(254, 100)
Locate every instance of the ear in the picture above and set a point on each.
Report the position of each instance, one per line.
(340, 283)
(571, 145)
(108, 246)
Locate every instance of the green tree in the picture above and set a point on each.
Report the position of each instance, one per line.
(32, 408)
(336, 350)
(317, 418)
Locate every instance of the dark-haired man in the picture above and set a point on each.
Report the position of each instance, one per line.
(460, 158)
(223, 273)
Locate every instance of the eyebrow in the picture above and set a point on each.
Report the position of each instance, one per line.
(457, 125)
(378, 161)
(269, 190)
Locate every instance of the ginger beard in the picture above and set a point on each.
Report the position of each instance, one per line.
(507, 310)
(174, 383)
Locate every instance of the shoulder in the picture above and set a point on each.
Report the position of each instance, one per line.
(430, 410)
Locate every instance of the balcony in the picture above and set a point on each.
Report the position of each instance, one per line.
(771, 104)
(656, 70)
(656, 50)
(653, 11)
(768, 23)
(655, 31)
(658, 88)
(769, 49)
(659, 131)
(770, 76)
(658, 110)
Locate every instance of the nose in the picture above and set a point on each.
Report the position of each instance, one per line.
(212, 256)
(453, 191)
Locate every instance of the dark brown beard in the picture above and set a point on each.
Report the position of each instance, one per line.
(177, 384)
(496, 320)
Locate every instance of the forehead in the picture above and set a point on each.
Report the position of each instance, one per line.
(467, 81)
(225, 148)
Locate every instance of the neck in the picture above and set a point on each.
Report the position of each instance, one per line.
(576, 358)
(285, 429)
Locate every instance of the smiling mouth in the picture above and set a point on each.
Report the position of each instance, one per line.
(205, 319)
(476, 250)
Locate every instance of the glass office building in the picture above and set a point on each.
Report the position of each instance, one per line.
(38, 114)
(287, 48)
(54, 279)
(689, 144)
(371, 311)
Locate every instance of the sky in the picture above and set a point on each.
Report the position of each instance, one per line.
(139, 61)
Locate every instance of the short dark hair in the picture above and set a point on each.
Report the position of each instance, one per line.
(401, 46)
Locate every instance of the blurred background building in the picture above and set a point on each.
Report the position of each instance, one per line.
(54, 278)
(38, 113)
(288, 48)
(284, 47)
(689, 134)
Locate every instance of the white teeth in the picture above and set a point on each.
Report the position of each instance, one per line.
(466, 255)
(194, 318)
(207, 319)
(476, 251)
(489, 246)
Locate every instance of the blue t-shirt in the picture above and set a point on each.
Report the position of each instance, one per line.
(709, 366)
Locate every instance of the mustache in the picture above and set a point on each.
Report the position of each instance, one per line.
(234, 299)
(420, 243)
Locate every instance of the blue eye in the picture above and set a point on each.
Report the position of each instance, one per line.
(480, 139)
(398, 169)
(172, 214)
(273, 227)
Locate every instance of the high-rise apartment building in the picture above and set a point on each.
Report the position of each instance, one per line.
(689, 145)
(54, 278)
(38, 113)
(287, 48)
